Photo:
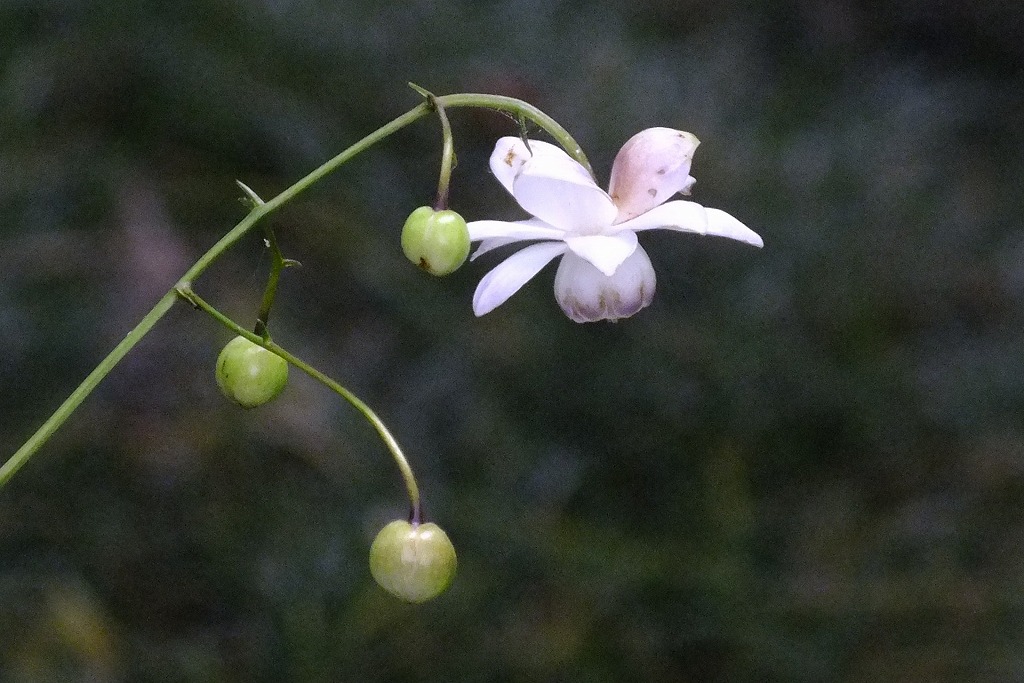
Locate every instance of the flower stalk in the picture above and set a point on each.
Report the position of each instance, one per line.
(277, 263)
(259, 211)
(447, 157)
(189, 295)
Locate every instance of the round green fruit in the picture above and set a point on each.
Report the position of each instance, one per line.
(413, 562)
(436, 241)
(250, 375)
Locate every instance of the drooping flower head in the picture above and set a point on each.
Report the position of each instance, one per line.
(604, 273)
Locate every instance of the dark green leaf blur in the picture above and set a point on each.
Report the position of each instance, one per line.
(804, 463)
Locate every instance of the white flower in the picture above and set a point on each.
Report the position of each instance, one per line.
(604, 273)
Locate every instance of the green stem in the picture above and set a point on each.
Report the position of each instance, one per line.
(447, 157)
(270, 293)
(28, 449)
(189, 295)
(259, 211)
(521, 109)
(277, 264)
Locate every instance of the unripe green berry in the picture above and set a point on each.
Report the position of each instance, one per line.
(413, 562)
(250, 375)
(436, 241)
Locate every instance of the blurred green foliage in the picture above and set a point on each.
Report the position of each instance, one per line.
(800, 464)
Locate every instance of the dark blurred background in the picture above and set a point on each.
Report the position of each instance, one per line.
(799, 464)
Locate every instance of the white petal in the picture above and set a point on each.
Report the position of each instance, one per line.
(560, 192)
(679, 215)
(491, 244)
(520, 229)
(510, 153)
(723, 225)
(531, 229)
(511, 274)
(652, 166)
(551, 185)
(496, 234)
(605, 252)
(588, 295)
(685, 216)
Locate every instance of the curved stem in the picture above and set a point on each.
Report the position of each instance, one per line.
(521, 109)
(447, 157)
(392, 444)
(518, 108)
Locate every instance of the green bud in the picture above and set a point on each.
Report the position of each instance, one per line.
(414, 563)
(250, 375)
(436, 241)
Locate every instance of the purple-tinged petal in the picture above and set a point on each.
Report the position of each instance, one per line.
(511, 274)
(586, 294)
(604, 252)
(652, 166)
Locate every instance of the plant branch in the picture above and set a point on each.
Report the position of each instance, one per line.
(260, 210)
(392, 444)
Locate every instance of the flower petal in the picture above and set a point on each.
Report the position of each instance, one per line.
(680, 215)
(511, 274)
(561, 193)
(587, 295)
(496, 234)
(652, 166)
(532, 229)
(551, 185)
(491, 244)
(604, 252)
(685, 216)
(723, 225)
(510, 153)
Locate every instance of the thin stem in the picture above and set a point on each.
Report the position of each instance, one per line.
(189, 295)
(447, 156)
(277, 264)
(263, 210)
(518, 108)
(35, 442)
(52, 423)
(497, 102)
(521, 109)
